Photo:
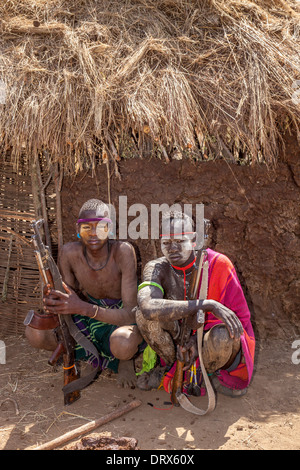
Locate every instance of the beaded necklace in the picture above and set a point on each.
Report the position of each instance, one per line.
(184, 269)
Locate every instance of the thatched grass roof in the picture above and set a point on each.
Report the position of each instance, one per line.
(88, 80)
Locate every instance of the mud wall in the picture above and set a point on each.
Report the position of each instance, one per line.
(254, 213)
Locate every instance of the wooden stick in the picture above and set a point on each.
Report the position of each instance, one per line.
(58, 182)
(29, 217)
(18, 236)
(35, 189)
(6, 277)
(43, 204)
(88, 427)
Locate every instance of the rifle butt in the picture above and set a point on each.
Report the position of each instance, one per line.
(177, 382)
(70, 371)
(71, 374)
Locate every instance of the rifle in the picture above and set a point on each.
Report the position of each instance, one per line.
(68, 332)
(185, 330)
(51, 275)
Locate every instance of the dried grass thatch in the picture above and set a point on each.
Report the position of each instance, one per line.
(89, 78)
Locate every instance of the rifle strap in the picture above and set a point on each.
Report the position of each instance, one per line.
(81, 339)
(183, 399)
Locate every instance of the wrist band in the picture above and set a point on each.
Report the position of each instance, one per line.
(96, 312)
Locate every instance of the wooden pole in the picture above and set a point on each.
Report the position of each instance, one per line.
(58, 182)
(39, 201)
(59, 441)
(35, 189)
(6, 277)
(43, 203)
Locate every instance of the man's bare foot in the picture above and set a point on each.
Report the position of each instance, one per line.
(126, 377)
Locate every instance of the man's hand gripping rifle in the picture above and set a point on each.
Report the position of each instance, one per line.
(51, 276)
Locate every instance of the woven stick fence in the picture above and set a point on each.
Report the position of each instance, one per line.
(20, 286)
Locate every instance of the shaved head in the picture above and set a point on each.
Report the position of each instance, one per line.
(99, 208)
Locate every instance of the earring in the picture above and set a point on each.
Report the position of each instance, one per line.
(78, 236)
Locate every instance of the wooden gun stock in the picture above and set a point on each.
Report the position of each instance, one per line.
(177, 382)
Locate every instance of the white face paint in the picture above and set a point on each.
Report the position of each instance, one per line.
(176, 251)
(177, 247)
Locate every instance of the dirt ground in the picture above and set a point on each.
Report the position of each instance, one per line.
(267, 417)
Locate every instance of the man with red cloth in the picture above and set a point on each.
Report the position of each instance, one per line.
(228, 341)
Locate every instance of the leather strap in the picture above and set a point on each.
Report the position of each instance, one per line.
(183, 399)
(83, 341)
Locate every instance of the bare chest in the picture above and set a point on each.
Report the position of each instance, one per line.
(101, 283)
(176, 286)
